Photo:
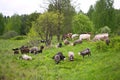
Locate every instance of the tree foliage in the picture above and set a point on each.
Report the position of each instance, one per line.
(1, 24)
(46, 25)
(82, 24)
(103, 14)
(13, 24)
(63, 7)
(105, 29)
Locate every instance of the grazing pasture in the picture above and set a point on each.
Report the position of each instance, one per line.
(101, 65)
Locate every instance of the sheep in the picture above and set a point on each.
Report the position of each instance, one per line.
(84, 36)
(58, 57)
(16, 50)
(66, 42)
(24, 49)
(102, 36)
(65, 36)
(35, 49)
(77, 42)
(107, 41)
(71, 55)
(85, 52)
(41, 49)
(43, 41)
(59, 45)
(74, 36)
(26, 57)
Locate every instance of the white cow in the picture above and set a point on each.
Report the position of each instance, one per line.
(84, 36)
(102, 36)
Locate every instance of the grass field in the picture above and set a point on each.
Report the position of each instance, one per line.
(101, 65)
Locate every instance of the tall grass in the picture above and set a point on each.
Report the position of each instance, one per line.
(101, 65)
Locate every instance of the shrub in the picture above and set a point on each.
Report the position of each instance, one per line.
(101, 46)
(115, 43)
(19, 38)
(105, 29)
(9, 34)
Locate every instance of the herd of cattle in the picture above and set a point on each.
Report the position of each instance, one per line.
(59, 56)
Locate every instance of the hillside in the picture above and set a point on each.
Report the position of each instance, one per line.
(101, 65)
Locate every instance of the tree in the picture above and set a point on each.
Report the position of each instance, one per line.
(90, 12)
(63, 7)
(117, 22)
(82, 24)
(103, 14)
(46, 25)
(13, 24)
(1, 24)
(27, 22)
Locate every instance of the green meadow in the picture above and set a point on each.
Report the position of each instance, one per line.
(103, 64)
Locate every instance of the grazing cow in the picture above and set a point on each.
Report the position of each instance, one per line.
(58, 57)
(99, 37)
(85, 52)
(26, 57)
(66, 42)
(77, 42)
(84, 36)
(65, 36)
(16, 50)
(71, 56)
(24, 49)
(74, 36)
(59, 45)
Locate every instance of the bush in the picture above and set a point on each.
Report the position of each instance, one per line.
(101, 46)
(105, 29)
(115, 43)
(19, 38)
(9, 34)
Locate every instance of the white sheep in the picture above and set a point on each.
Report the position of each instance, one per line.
(74, 36)
(71, 55)
(84, 36)
(26, 57)
(102, 36)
